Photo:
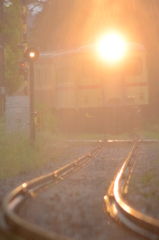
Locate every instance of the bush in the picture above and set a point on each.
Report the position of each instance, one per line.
(45, 121)
(17, 155)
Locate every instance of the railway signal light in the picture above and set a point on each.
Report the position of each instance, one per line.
(31, 54)
(23, 70)
(21, 66)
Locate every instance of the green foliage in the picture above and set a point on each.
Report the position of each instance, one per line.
(12, 27)
(149, 131)
(15, 153)
(70, 22)
(46, 121)
(12, 77)
(12, 36)
(148, 134)
(80, 136)
(147, 178)
(17, 156)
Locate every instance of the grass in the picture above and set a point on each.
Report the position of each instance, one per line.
(148, 134)
(92, 136)
(81, 136)
(123, 136)
(149, 131)
(17, 156)
(147, 178)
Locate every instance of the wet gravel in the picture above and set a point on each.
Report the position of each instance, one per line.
(143, 191)
(74, 206)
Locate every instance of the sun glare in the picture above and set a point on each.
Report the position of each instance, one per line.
(112, 47)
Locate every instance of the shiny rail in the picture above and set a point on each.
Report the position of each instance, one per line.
(115, 204)
(11, 224)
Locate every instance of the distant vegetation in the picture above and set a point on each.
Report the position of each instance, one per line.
(71, 23)
(45, 120)
(12, 31)
(17, 156)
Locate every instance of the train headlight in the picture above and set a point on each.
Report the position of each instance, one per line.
(112, 47)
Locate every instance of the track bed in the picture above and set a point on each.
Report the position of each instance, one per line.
(74, 206)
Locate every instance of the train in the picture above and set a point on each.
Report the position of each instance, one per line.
(88, 93)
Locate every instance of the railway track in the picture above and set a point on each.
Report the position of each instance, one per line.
(118, 207)
(27, 209)
(11, 223)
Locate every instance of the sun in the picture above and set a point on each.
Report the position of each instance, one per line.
(112, 47)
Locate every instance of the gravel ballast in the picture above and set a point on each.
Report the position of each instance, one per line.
(74, 207)
(143, 192)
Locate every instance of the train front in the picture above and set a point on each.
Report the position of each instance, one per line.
(112, 84)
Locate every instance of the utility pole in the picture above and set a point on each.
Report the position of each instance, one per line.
(32, 55)
(32, 125)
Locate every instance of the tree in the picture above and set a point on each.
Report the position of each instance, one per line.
(11, 30)
(72, 21)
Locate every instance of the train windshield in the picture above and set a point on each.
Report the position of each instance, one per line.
(91, 69)
(113, 72)
(133, 66)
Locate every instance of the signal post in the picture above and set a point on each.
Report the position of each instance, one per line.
(31, 54)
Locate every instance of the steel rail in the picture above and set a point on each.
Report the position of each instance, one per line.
(115, 204)
(10, 223)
